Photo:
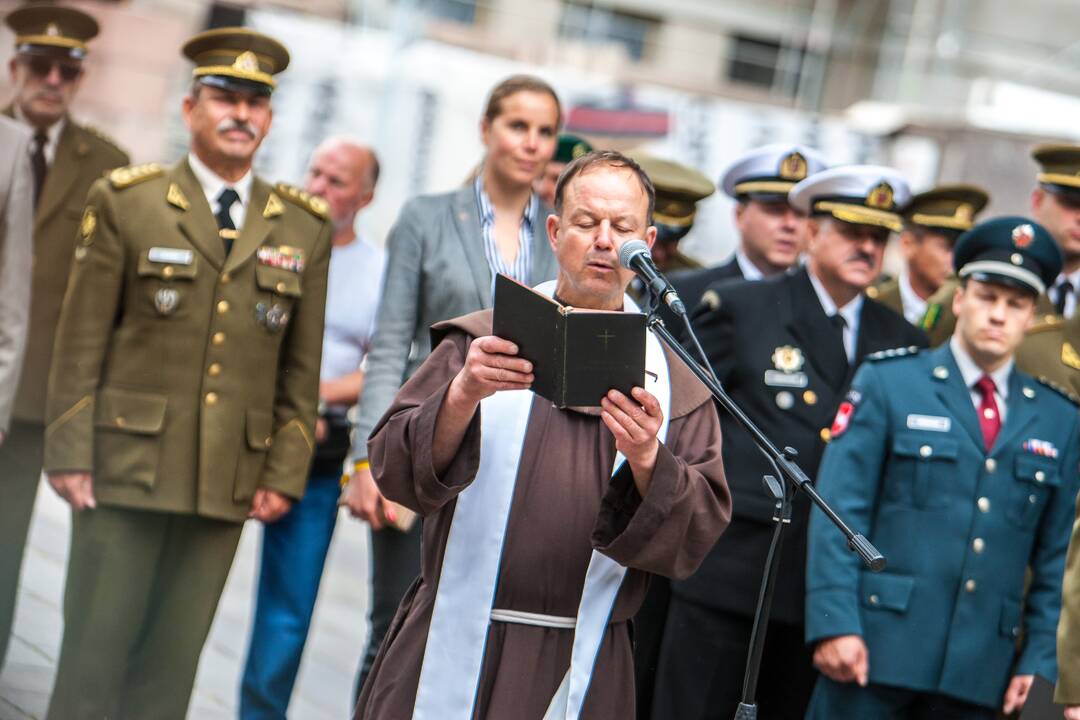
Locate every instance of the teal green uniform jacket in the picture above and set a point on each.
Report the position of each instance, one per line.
(957, 525)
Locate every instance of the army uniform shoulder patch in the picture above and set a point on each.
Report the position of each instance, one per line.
(1063, 392)
(1046, 322)
(313, 204)
(892, 353)
(125, 177)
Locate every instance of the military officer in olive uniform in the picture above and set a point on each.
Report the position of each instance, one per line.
(678, 191)
(1055, 204)
(962, 471)
(932, 222)
(183, 389)
(772, 234)
(784, 348)
(65, 157)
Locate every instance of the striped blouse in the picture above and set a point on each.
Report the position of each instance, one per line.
(519, 269)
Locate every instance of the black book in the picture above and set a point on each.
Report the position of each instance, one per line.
(577, 354)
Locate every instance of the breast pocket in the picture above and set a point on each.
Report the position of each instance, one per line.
(921, 468)
(166, 286)
(278, 291)
(1034, 478)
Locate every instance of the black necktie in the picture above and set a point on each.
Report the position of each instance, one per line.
(39, 165)
(1063, 291)
(839, 324)
(225, 222)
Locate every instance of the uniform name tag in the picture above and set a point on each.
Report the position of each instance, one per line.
(929, 422)
(170, 256)
(775, 378)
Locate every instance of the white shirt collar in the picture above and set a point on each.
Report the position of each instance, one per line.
(212, 183)
(914, 306)
(749, 270)
(52, 135)
(971, 372)
(1073, 277)
(849, 312)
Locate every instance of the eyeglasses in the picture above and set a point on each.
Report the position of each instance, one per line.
(41, 67)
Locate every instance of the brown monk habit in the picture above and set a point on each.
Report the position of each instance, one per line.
(565, 504)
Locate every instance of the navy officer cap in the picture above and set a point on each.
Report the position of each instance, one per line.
(1011, 250)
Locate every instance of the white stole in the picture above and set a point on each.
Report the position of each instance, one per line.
(457, 635)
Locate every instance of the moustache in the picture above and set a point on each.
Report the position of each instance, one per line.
(246, 127)
(51, 95)
(862, 257)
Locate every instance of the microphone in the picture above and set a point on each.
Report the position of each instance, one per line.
(634, 255)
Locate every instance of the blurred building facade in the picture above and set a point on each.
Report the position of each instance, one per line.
(946, 90)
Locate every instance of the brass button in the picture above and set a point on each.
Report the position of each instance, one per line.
(874, 600)
(211, 398)
(214, 370)
(991, 465)
(984, 504)
(268, 441)
(1032, 499)
(809, 397)
(826, 434)
(1040, 476)
(978, 545)
(969, 586)
(218, 338)
(121, 421)
(225, 277)
(926, 451)
(223, 307)
(280, 287)
(168, 271)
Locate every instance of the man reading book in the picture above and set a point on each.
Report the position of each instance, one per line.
(541, 525)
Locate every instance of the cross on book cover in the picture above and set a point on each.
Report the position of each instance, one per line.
(578, 354)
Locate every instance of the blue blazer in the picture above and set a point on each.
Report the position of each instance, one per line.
(957, 525)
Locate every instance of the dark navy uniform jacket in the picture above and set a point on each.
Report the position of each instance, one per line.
(957, 525)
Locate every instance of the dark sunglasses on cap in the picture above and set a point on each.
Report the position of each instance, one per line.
(41, 67)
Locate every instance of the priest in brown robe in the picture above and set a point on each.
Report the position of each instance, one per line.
(542, 525)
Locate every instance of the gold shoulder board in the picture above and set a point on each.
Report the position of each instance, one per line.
(313, 204)
(134, 174)
(1046, 322)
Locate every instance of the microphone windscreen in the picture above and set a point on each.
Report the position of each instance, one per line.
(630, 249)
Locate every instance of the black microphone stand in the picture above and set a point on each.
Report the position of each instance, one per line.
(784, 465)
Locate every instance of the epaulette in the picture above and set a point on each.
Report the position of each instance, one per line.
(1063, 392)
(312, 203)
(125, 177)
(1046, 322)
(931, 316)
(102, 136)
(894, 353)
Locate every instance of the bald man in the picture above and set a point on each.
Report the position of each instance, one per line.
(344, 174)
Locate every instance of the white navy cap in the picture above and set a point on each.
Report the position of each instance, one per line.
(771, 170)
(862, 194)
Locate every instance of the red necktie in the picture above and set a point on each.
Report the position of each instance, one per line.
(989, 416)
